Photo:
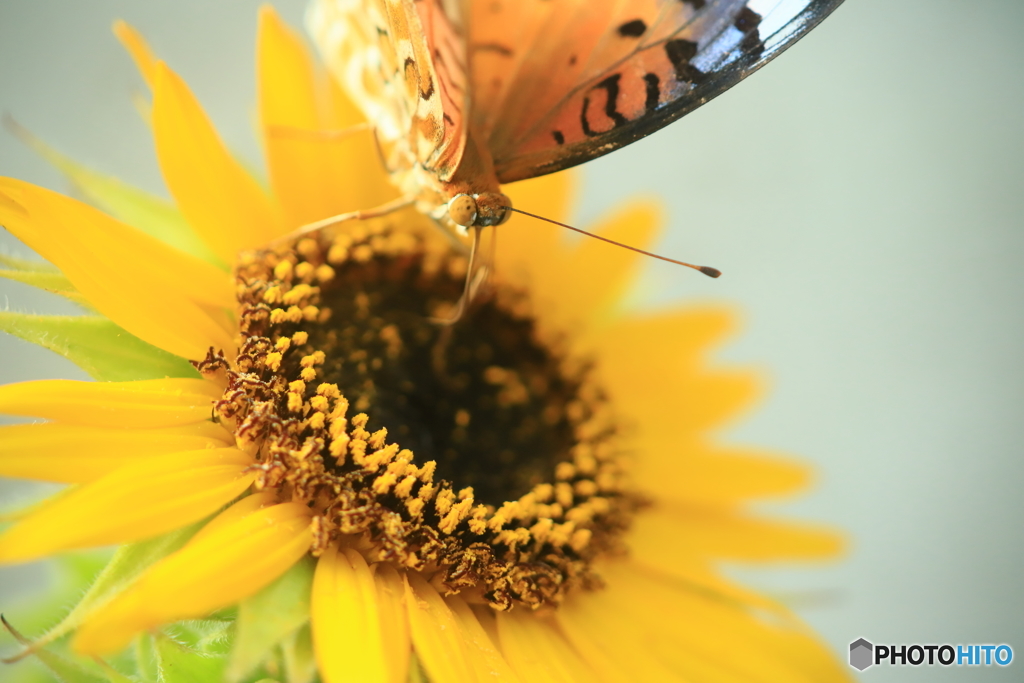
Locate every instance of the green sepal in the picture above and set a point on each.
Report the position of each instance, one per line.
(28, 265)
(113, 675)
(155, 216)
(43, 275)
(268, 618)
(68, 671)
(54, 283)
(128, 562)
(297, 656)
(178, 663)
(146, 659)
(211, 636)
(106, 351)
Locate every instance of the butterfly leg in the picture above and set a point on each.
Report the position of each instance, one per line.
(382, 210)
(473, 282)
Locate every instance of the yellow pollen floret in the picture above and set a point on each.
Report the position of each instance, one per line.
(404, 487)
(383, 483)
(564, 494)
(329, 390)
(273, 361)
(324, 273)
(543, 492)
(415, 506)
(317, 420)
(273, 295)
(283, 270)
(378, 438)
(445, 499)
(565, 471)
(580, 539)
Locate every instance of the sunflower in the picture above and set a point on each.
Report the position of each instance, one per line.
(311, 477)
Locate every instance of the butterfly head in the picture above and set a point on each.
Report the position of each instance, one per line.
(479, 210)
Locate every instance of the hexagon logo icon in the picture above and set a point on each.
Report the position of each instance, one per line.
(860, 654)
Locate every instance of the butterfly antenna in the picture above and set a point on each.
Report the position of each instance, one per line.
(469, 289)
(707, 270)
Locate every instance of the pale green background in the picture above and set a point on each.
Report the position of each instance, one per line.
(863, 196)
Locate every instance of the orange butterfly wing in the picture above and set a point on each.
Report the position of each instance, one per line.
(585, 85)
(467, 93)
(403, 64)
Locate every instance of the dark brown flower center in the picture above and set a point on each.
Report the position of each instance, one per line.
(475, 452)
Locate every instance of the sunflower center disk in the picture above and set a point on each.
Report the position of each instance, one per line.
(474, 453)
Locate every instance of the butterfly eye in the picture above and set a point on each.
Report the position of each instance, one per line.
(462, 209)
(492, 208)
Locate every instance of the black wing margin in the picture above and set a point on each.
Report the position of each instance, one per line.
(602, 115)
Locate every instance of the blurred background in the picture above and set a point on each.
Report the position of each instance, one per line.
(864, 196)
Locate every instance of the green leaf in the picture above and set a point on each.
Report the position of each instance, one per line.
(97, 345)
(270, 616)
(124, 567)
(180, 664)
(298, 657)
(151, 214)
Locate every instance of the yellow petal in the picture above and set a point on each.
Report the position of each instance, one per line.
(551, 196)
(439, 641)
(223, 203)
(77, 454)
(702, 637)
(394, 623)
(612, 644)
(728, 534)
(597, 273)
(649, 553)
(347, 636)
(141, 405)
(212, 571)
(653, 357)
(243, 508)
(313, 175)
(676, 340)
(538, 652)
(138, 49)
(139, 500)
(484, 656)
(155, 292)
(694, 472)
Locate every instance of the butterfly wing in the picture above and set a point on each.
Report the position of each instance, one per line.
(403, 64)
(558, 83)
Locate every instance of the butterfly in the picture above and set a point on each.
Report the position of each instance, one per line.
(466, 95)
